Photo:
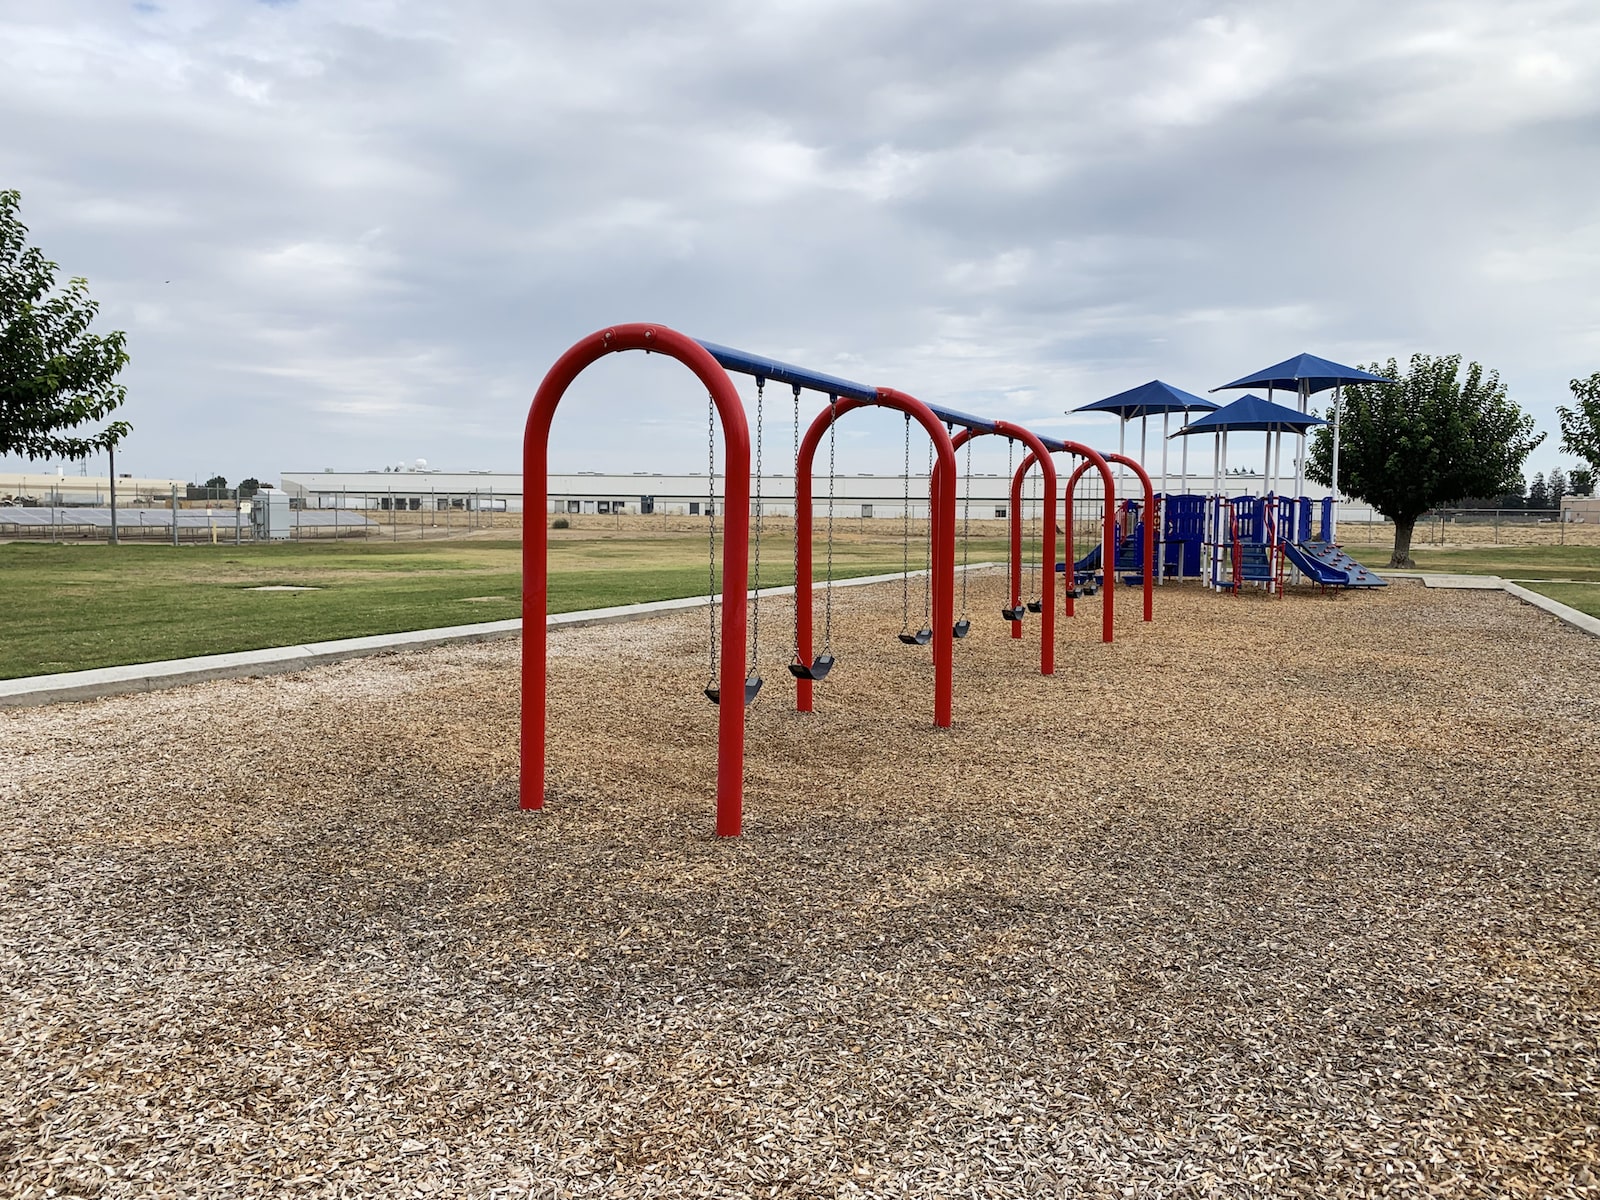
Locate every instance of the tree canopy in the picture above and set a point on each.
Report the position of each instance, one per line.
(1433, 438)
(55, 376)
(1580, 424)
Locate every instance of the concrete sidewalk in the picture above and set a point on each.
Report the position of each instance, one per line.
(1493, 583)
(150, 677)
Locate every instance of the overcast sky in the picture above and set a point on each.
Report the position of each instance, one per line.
(350, 234)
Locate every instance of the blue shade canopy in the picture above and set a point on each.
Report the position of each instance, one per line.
(1149, 399)
(1316, 374)
(1251, 413)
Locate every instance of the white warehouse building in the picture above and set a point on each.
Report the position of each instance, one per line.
(645, 492)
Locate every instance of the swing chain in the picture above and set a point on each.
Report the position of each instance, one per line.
(1015, 585)
(927, 579)
(966, 528)
(761, 520)
(905, 536)
(1033, 535)
(827, 604)
(711, 534)
(795, 656)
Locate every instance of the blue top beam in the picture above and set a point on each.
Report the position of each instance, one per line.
(770, 368)
(831, 385)
(952, 417)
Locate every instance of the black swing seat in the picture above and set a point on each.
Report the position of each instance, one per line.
(920, 638)
(1075, 593)
(961, 628)
(1013, 614)
(1036, 606)
(819, 668)
(752, 689)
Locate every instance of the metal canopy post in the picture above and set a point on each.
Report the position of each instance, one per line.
(1333, 520)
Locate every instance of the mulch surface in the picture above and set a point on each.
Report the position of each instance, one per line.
(1271, 898)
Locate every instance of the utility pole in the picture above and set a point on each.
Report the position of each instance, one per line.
(111, 465)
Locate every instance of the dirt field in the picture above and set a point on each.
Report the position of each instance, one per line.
(1272, 898)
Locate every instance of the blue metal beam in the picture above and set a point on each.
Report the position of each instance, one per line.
(770, 368)
(951, 417)
(746, 363)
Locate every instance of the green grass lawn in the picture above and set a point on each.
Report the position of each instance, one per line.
(1513, 562)
(74, 607)
(1585, 597)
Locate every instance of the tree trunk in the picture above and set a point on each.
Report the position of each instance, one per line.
(1403, 528)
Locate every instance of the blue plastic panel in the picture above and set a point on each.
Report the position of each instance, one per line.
(770, 368)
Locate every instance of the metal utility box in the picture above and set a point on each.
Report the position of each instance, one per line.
(269, 515)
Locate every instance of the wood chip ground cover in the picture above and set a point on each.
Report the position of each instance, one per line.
(1276, 898)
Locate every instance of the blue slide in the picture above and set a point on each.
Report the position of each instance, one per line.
(1330, 566)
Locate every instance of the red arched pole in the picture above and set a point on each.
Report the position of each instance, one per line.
(735, 551)
(1092, 458)
(1150, 517)
(806, 456)
(1149, 531)
(1014, 546)
(942, 532)
(1047, 535)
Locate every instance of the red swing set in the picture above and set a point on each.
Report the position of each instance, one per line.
(711, 364)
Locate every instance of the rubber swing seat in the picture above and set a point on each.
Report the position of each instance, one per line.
(819, 668)
(1036, 606)
(920, 638)
(1013, 614)
(961, 628)
(752, 689)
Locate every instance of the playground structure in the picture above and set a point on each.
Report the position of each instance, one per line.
(1229, 542)
(732, 673)
(1258, 541)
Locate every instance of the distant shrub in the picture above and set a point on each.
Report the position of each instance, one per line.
(561, 523)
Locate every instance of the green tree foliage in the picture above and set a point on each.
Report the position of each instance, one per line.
(55, 376)
(1580, 424)
(249, 487)
(217, 483)
(1436, 437)
(1581, 481)
(1557, 483)
(1539, 492)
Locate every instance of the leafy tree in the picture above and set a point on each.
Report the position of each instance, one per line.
(218, 482)
(1557, 485)
(1430, 439)
(55, 375)
(1581, 481)
(1580, 424)
(1515, 496)
(249, 487)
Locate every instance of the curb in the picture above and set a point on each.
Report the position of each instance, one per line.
(157, 676)
(1582, 622)
(1578, 620)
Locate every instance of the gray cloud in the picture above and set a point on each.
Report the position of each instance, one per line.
(382, 221)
